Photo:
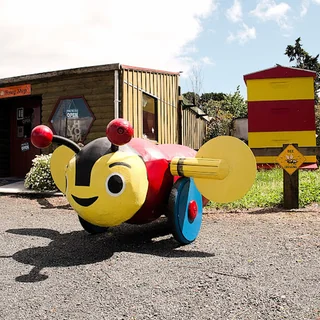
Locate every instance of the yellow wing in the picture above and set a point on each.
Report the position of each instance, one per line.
(59, 161)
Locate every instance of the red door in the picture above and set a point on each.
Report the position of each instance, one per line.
(25, 115)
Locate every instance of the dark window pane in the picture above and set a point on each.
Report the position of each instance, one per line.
(149, 105)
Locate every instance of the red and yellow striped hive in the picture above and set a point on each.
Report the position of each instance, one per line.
(281, 109)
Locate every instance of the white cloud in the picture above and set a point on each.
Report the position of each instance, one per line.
(234, 13)
(304, 7)
(244, 35)
(52, 35)
(268, 10)
(305, 4)
(207, 61)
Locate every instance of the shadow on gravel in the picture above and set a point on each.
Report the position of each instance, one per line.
(80, 248)
(45, 204)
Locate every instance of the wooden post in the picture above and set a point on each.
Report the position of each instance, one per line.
(291, 187)
(291, 190)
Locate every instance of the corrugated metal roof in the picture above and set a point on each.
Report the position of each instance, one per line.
(280, 72)
(78, 71)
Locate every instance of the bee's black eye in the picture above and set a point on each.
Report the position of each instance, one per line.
(115, 184)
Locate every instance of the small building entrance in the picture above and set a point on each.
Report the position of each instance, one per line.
(18, 116)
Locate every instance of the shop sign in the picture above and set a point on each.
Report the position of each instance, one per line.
(25, 146)
(22, 90)
(72, 113)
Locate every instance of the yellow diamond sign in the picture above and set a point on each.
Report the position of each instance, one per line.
(290, 159)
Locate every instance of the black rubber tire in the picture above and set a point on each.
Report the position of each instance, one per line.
(91, 228)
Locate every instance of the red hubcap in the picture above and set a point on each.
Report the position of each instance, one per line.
(192, 210)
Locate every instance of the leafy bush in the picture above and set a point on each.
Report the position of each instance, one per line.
(39, 177)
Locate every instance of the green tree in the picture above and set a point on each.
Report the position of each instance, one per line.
(235, 104)
(223, 112)
(192, 97)
(205, 97)
(304, 60)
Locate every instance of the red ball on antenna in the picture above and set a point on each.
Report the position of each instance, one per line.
(119, 132)
(41, 136)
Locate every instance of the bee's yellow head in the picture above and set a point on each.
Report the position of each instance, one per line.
(105, 184)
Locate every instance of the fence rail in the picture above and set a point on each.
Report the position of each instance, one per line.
(290, 182)
(275, 151)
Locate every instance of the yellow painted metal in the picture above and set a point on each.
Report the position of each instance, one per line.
(280, 89)
(199, 168)
(241, 169)
(279, 138)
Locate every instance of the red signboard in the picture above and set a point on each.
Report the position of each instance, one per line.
(23, 90)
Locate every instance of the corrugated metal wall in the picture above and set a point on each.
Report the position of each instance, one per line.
(164, 87)
(193, 129)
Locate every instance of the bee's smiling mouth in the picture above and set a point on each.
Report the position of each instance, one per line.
(84, 202)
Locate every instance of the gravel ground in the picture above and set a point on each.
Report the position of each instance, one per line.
(253, 265)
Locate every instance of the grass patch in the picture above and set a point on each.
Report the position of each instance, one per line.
(267, 191)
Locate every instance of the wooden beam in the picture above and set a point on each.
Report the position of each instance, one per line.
(275, 151)
(291, 190)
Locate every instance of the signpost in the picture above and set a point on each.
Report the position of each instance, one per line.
(290, 159)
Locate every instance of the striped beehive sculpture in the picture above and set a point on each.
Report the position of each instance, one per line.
(281, 109)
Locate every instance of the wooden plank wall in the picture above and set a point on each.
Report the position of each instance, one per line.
(97, 89)
(193, 129)
(162, 86)
(4, 140)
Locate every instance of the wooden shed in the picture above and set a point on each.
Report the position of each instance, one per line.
(281, 109)
(79, 103)
(194, 125)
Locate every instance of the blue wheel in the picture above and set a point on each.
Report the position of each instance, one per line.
(185, 210)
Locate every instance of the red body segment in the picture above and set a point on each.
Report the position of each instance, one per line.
(157, 159)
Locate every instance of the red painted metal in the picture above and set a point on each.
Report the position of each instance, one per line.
(119, 131)
(160, 184)
(279, 72)
(157, 159)
(41, 136)
(192, 210)
(291, 115)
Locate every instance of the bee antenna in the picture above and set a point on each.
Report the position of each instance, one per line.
(42, 136)
(66, 142)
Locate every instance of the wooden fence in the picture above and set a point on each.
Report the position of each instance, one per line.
(290, 182)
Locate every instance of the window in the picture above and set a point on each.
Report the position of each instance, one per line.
(150, 128)
(72, 118)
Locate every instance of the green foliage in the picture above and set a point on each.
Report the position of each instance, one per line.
(206, 97)
(39, 177)
(304, 60)
(220, 120)
(223, 112)
(192, 97)
(267, 191)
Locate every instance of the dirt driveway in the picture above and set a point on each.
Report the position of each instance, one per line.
(257, 265)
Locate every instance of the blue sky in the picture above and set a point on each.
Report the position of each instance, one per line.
(241, 37)
(223, 39)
